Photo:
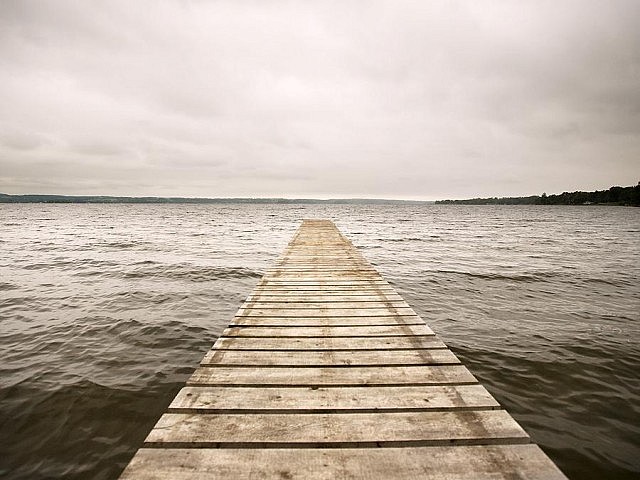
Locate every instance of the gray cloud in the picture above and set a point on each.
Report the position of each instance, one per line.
(279, 98)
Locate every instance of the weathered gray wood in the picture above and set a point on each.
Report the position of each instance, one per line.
(326, 321)
(295, 331)
(322, 282)
(335, 267)
(325, 353)
(274, 305)
(329, 343)
(323, 278)
(329, 358)
(315, 290)
(342, 289)
(346, 258)
(323, 312)
(338, 429)
(332, 376)
(323, 275)
(342, 263)
(315, 298)
(332, 266)
(497, 462)
(331, 400)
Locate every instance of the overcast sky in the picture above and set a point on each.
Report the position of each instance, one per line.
(391, 99)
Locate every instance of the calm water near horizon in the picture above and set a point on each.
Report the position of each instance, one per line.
(105, 310)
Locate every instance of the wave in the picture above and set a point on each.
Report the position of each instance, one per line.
(497, 276)
(406, 239)
(6, 286)
(125, 245)
(50, 427)
(571, 382)
(149, 269)
(191, 272)
(609, 281)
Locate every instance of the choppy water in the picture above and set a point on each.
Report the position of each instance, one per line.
(106, 309)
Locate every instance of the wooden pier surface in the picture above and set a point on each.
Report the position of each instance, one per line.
(326, 372)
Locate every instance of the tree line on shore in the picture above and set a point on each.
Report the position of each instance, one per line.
(629, 196)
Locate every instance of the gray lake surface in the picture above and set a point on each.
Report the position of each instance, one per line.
(105, 310)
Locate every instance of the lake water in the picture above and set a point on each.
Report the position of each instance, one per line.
(105, 310)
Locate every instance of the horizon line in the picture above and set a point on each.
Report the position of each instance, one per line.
(169, 197)
(285, 198)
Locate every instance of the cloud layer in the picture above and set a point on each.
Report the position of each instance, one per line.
(318, 99)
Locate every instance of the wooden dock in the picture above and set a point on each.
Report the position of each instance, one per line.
(325, 372)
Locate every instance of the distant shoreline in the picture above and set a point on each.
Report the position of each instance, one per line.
(101, 199)
(614, 196)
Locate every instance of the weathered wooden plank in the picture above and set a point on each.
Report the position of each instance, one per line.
(332, 376)
(320, 251)
(322, 290)
(322, 273)
(297, 252)
(336, 274)
(328, 263)
(296, 331)
(342, 263)
(338, 429)
(316, 241)
(313, 240)
(324, 312)
(259, 305)
(321, 297)
(347, 257)
(326, 321)
(494, 462)
(336, 266)
(331, 400)
(339, 265)
(343, 259)
(329, 358)
(364, 287)
(325, 273)
(321, 282)
(326, 281)
(368, 289)
(334, 263)
(322, 278)
(329, 343)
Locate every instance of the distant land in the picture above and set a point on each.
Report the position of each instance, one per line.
(625, 196)
(35, 198)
